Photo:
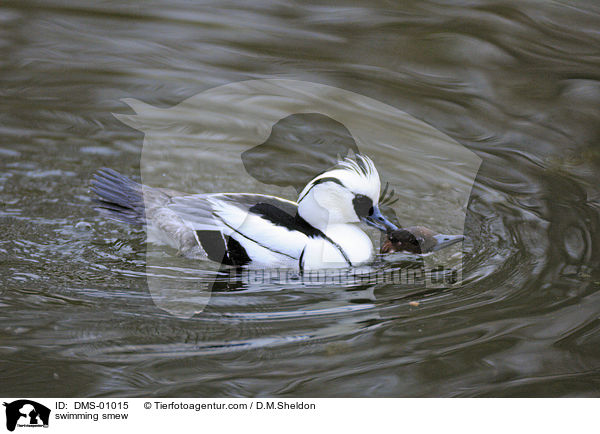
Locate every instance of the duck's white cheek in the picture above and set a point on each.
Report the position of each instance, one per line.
(338, 203)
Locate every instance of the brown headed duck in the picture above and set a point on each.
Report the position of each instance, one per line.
(417, 240)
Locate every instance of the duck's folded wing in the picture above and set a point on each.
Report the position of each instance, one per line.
(263, 226)
(207, 211)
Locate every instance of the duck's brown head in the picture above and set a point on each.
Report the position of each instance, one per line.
(417, 240)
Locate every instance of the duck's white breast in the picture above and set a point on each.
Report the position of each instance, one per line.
(322, 253)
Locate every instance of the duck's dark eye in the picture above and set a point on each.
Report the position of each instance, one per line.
(363, 205)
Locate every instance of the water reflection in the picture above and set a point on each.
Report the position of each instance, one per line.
(516, 82)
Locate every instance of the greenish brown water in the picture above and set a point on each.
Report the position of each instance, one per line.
(518, 83)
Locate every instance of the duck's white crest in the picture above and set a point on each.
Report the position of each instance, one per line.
(329, 198)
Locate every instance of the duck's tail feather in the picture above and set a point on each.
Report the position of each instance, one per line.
(119, 197)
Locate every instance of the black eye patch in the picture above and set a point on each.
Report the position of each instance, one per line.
(363, 205)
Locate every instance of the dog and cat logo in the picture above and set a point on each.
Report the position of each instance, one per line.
(26, 413)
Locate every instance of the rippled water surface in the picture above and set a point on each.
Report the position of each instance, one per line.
(515, 82)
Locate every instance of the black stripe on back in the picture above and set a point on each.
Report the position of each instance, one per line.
(281, 218)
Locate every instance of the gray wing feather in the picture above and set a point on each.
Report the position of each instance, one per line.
(197, 210)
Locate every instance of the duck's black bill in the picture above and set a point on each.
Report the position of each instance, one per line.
(377, 220)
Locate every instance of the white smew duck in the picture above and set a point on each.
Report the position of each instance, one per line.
(319, 231)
